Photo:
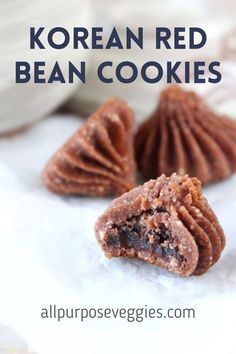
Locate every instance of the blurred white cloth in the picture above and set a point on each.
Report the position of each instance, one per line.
(49, 255)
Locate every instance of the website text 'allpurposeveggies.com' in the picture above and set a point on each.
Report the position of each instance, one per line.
(130, 314)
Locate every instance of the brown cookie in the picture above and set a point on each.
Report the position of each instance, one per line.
(183, 135)
(98, 159)
(166, 222)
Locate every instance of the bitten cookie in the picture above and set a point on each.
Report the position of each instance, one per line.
(98, 160)
(166, 222)
(184, 135)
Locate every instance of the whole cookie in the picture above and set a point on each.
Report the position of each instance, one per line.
(98, 160)
(184, 135)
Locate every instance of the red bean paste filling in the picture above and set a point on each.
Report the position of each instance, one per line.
(133, 235)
